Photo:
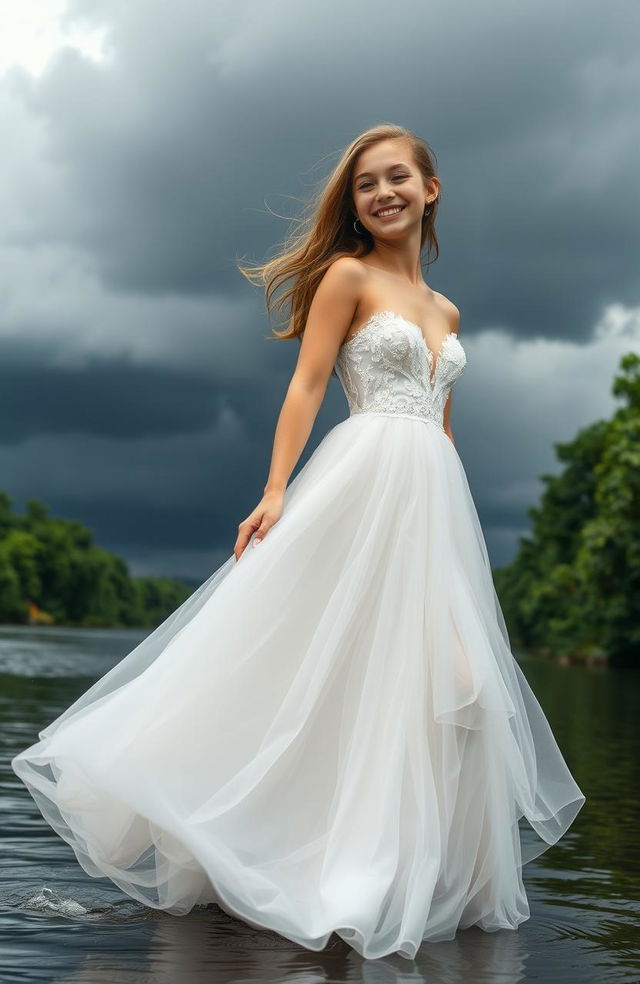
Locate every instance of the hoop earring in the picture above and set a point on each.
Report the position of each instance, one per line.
(359, 232)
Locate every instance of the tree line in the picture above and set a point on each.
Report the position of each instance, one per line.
(52, 572)
(573, 588)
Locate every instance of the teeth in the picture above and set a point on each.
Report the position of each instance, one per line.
(390, 211)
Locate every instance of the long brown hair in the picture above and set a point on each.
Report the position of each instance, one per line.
(326, 231)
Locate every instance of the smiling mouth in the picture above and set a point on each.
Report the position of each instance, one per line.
(385, 213)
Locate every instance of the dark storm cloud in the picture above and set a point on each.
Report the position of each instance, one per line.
(130, 187)
(116, 400)
(120, 401)
(531, 109)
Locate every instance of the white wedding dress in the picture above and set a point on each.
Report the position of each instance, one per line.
(331, 734)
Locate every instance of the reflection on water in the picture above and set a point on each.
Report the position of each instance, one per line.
(57, 924)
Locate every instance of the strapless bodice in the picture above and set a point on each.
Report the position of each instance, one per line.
(388, 368)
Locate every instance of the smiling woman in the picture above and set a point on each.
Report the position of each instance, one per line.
(331, 735)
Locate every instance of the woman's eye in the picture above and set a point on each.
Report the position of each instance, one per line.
(396, 177)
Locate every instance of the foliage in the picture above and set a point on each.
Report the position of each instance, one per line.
(50, 570)
(574, 583)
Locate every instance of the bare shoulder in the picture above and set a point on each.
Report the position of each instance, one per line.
(449, 310)
(338, 293)
(346, 271)
(330, 315)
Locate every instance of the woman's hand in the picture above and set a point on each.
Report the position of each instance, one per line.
(264, 516)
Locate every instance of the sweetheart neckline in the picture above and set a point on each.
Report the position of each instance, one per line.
(412, 324)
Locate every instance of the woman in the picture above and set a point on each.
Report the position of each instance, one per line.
(332, 734)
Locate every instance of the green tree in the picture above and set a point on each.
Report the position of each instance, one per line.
(573, 585)
(54, 564)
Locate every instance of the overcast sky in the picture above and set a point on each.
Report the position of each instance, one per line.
(146, 146)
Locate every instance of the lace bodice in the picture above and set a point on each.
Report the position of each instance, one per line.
(387, 367)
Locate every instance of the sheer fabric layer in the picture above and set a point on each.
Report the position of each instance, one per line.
(331, 734)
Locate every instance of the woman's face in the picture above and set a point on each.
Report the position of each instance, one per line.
(384, 176)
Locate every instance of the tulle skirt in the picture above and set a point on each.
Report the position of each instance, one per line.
(331, 734)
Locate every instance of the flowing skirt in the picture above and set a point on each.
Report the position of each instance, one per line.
(331, 734)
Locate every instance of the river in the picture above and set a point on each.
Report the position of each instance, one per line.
(58, 924)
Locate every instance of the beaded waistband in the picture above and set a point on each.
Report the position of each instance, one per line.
(393, 413)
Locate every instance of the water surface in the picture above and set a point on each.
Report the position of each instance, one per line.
(58, 924)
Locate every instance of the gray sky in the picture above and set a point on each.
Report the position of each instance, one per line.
(145, 146)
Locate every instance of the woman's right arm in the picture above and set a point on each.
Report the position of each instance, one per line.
(330, 315)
